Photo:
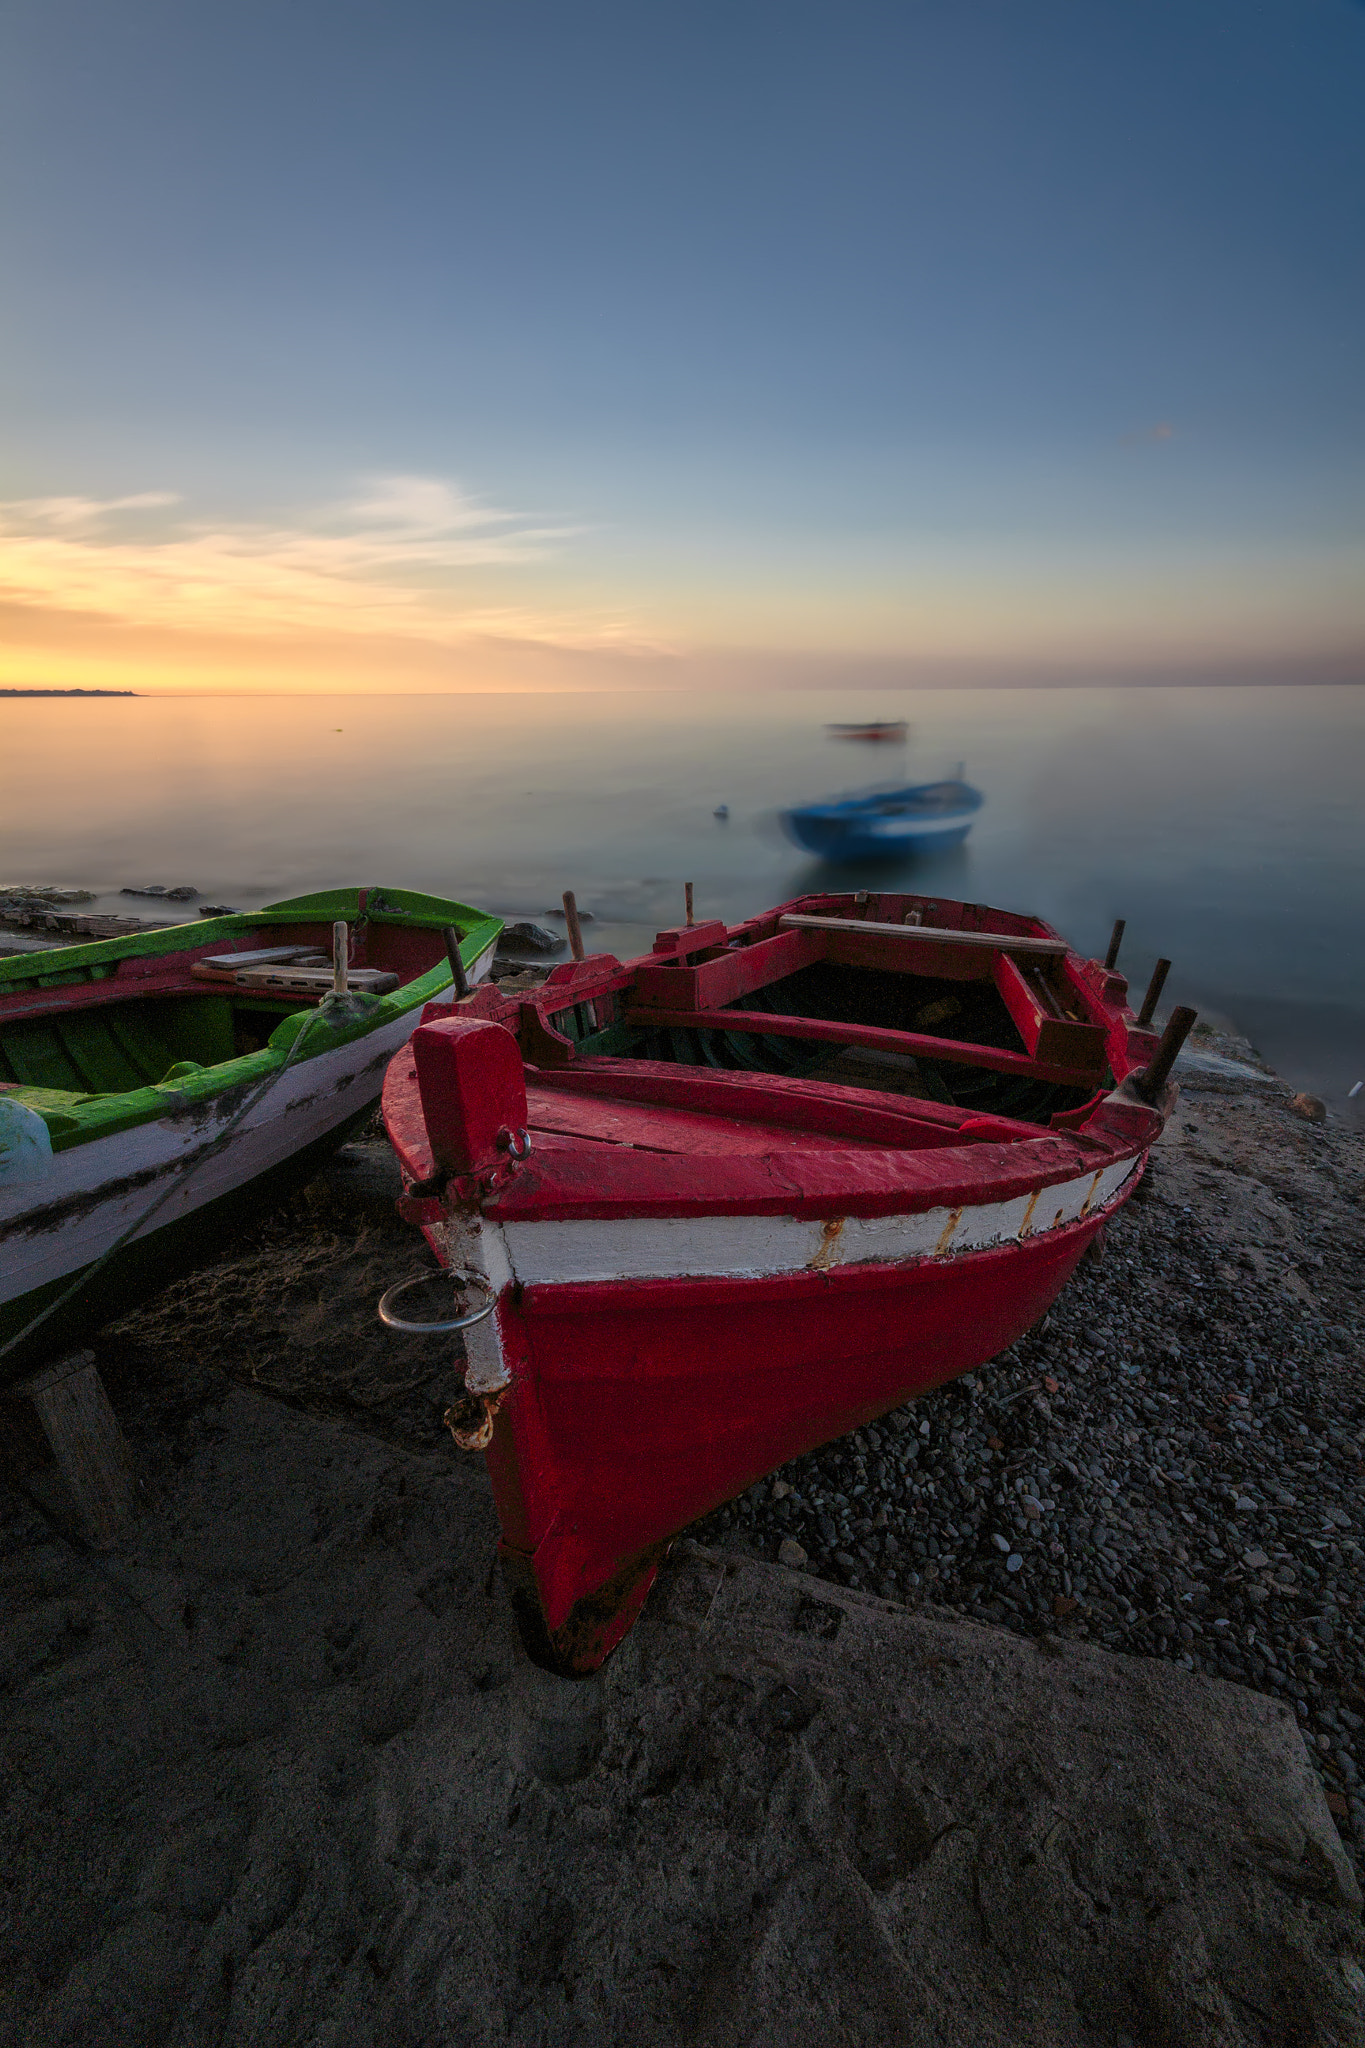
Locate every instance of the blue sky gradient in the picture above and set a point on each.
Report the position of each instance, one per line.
(945, 332)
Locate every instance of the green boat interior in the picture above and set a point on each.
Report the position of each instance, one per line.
(74, 1041)
(135, 1044)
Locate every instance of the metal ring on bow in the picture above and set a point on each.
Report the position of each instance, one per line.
(464, 1275)
(516, 1143)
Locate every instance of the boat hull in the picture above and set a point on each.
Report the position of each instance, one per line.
(146, 1264)
(637, 1406)
(690, 1276)
(835, 840)
(54, 1230)
(58, 1227)
(884, 825)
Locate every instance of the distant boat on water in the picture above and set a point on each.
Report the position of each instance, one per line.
(880, 824)
(887, 729)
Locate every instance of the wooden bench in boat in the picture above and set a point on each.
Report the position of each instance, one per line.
(287, 970)
(695, 984)
(995, 942)
(314, 981)
(879, 1038)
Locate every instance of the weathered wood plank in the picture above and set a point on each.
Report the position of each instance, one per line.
(825, 1031)
(998, 942)
(717, 982)
(87, 1442)
(1046, 1030)
(315, 980)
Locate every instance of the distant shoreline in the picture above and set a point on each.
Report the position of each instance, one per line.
(67, 693)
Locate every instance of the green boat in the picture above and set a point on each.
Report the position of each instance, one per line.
(158, 1089)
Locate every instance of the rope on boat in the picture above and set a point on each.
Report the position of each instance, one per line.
(178, 1180)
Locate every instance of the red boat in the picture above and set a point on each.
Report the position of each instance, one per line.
(723, 1203)
(892, 730)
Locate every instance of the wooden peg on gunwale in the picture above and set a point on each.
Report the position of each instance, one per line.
(1154, 988)
(1111, 958)
(574, 928)
(687, 898)
(458, 977)
(341, 957)
(1156, 1073)
(86, 1442)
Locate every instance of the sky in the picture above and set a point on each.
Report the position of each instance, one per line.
(522, 344)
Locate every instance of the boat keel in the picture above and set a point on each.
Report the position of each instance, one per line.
(594, 1625)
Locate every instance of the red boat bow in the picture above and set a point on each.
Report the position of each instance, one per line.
(697, 1275)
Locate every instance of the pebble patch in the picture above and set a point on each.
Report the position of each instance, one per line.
(1171, 1463)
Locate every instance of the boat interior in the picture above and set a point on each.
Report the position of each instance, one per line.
(144, 1019)
(903, 995)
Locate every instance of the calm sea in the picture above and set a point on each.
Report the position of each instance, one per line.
(1226, 825)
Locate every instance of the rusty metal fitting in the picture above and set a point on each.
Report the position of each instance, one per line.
(470, 1419)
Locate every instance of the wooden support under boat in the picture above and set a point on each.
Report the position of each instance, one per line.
(1151, 1082)
(86, 1442)
(458, 977)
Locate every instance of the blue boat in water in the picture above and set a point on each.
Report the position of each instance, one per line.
(881, 824)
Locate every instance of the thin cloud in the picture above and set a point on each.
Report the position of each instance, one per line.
(423, 504)
(400, 558)
(1147, 436)
(84, 515)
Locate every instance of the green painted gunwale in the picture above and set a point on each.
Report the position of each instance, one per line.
(75, 1119)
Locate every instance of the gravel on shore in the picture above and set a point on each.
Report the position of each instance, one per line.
(1170, 1464)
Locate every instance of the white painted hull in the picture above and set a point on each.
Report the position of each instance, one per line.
(553, 1254)
(54, 1227)
(915, 828)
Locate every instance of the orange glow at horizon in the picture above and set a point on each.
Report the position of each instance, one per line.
(412, 585)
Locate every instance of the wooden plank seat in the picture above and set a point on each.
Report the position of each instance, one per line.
(314, 981)
(915, 934)
(825, 1031)
(287, 970)
(700, 988)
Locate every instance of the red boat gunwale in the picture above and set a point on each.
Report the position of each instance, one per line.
(700, 1274)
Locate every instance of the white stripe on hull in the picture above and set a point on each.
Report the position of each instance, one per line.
(912, 827)
(750, 1247)
(307, 1103)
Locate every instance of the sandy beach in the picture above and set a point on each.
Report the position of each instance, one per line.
(276, 1771)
